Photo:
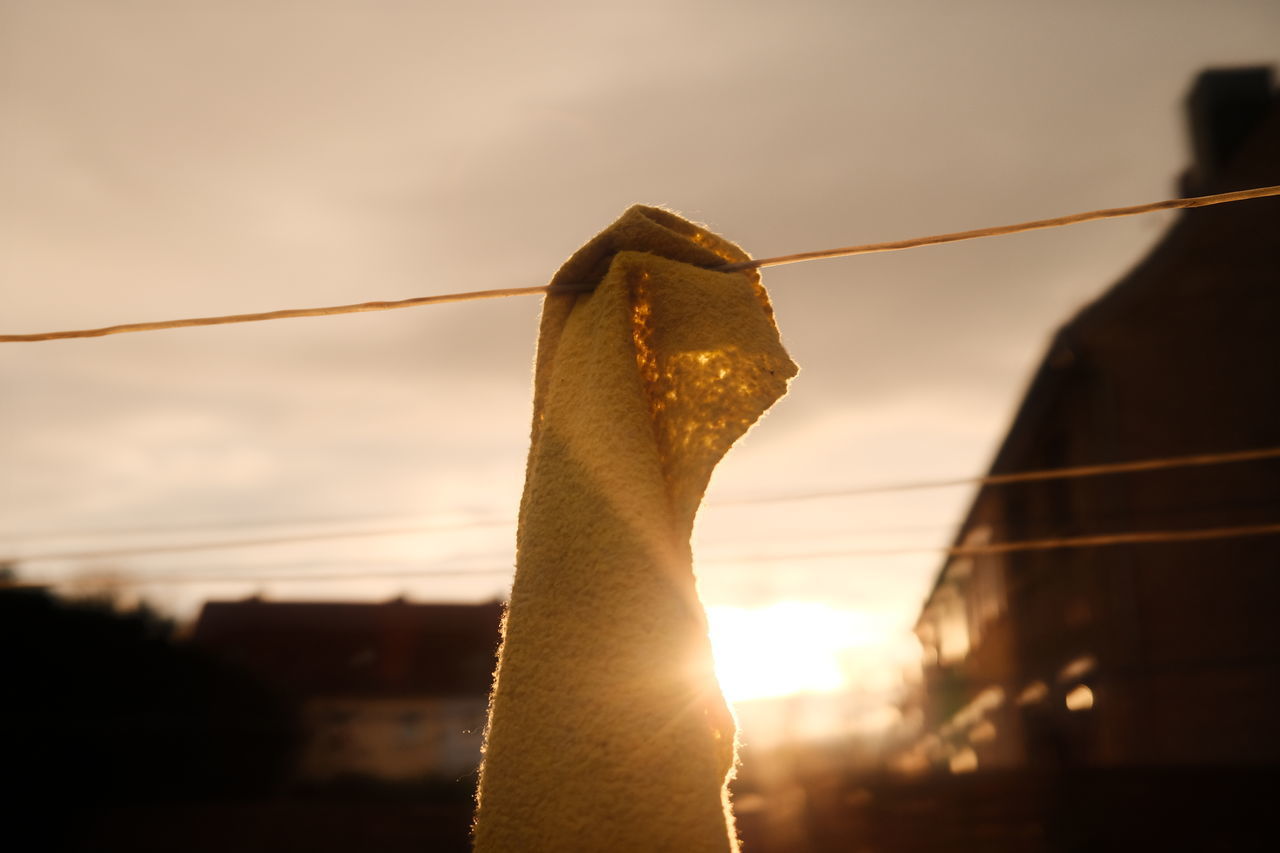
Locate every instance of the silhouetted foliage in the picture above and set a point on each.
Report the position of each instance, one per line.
(105, 708)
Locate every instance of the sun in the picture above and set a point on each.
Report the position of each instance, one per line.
(783, 649)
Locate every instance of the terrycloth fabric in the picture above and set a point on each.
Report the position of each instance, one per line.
(607, 729)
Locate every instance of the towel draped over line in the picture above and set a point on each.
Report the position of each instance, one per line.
(607, 729)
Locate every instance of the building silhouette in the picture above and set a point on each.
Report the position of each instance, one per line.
(392, 693)
(1139, 655)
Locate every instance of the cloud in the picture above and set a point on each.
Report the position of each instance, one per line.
(165, 161)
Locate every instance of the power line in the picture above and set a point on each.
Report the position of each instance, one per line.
(426, 527)
(1104, 539)
(180, 579)
(248, 524)
(1073, 472)
(846, 251)
(206, 524)
(1079, 471)
(1141, 537)
(253, 543)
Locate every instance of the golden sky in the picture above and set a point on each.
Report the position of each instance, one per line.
(164, 159)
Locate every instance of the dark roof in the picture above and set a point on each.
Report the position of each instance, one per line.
(392, 649)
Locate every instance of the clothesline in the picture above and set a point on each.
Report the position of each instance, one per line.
(845, 251)
(1075, 472)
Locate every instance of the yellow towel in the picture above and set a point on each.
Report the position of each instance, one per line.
(607, 730)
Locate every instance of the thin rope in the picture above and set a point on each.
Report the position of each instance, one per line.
(289, 313)
(1001, 230)
(865, 249)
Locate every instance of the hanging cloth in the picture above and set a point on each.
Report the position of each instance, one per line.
(607, 729)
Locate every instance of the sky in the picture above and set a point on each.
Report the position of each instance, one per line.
(162, 159)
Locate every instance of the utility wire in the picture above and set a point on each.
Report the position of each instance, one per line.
(845, 251)
(1132, 538)
(40, 533)
(57, 534)
(1026, 476)
(1141, 537)
(219, 545)
(184, 578)
(1143, 465)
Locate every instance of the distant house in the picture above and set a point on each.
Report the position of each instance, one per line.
(392, 692)
(1139, 654)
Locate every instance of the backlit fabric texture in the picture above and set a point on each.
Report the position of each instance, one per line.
(607, 729)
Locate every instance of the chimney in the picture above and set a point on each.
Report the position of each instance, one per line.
(1224, 107)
